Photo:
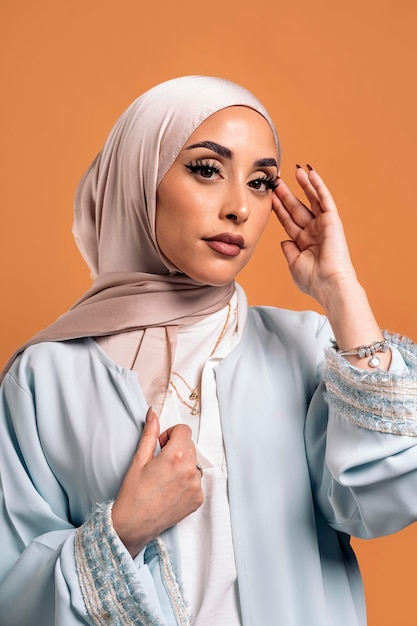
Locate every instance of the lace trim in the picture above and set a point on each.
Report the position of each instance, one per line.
(375, 400)
(108, 576)
(171, 585)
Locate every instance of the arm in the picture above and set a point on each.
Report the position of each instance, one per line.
(48, 558)
(156, 493)
(34, 522)
(363, 474)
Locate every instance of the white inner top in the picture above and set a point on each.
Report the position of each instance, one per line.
(208, 564)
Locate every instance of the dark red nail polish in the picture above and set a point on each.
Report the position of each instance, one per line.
(309, 167)
(298, 166)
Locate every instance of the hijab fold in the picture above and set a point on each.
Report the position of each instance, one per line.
(135, 286)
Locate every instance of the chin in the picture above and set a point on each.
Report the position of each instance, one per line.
(213, 281)
(219, 276)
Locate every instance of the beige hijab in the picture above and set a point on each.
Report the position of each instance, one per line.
(135, 286)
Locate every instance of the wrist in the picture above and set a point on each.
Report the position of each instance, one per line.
(340, 293)
(353, 323)
(365, 352)
(127, 533)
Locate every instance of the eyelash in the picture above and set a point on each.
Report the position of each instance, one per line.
(196, 167)
(269, 181)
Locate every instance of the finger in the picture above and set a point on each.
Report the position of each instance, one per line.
(300, 214)
(149, 440)
(322, 192)
(179, 450)
(291, 251)
(180, 434)
(303, 180)
(291, 228)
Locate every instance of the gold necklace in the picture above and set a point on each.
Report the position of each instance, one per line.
(194, 395)
(195, 392)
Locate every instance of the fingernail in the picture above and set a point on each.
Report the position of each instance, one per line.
(149, 415)
(298, 166)
(309, 167)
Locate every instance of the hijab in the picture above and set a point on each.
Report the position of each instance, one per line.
(135, 286)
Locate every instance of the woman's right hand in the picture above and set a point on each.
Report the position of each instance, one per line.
(157, 491)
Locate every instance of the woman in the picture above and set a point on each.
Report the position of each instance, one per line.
(167, 452)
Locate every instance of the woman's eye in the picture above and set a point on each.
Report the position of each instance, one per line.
(263, 184)
(205, 170)
(257, 184)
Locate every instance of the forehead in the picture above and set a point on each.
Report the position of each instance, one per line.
(238, 126)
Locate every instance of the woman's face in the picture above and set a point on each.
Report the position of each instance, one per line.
(216, 198)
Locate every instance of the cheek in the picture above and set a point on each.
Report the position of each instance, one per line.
(262, 219)
(166, 211)
(164, 222)
(171, 226)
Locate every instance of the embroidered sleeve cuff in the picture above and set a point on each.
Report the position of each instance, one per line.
(108, 576)
(377, 400)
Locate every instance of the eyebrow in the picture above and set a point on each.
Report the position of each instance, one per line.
(266, 163)
(216, 147)
(228, 154)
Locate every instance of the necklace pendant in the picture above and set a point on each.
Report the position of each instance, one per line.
(194, 411)
(193, 396)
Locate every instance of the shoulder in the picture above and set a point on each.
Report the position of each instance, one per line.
(290, 325)
(51, 352)
(287, 339)
(48, 362)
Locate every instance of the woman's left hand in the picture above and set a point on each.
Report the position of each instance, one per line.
(317, 252)
(320, 264)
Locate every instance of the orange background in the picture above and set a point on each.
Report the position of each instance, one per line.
(339, 80)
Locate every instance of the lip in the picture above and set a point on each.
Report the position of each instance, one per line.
(226, 243)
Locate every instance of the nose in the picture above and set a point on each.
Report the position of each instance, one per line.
(236, 204)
